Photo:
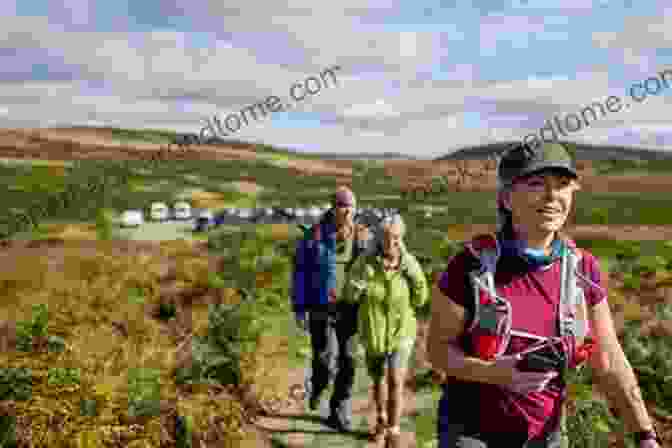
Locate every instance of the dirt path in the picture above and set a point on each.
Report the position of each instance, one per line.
(295, 426)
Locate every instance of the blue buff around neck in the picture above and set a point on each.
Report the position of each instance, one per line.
(535, 253)
(534, 257)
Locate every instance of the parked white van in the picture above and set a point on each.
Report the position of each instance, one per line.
(159, 211)
(182, 210)
(131, 218)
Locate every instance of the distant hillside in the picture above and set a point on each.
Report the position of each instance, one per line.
(364, 155)
(157, 135)
(582, 151)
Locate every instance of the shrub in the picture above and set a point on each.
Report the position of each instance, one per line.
(599, 216)
(15, 383)
(232, 331)
(651, 358)
(61, 376)
(589, 421)
(104, 224)
(36, 327)
(8, 431)
(143, 392)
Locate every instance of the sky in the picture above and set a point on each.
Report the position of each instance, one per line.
(423, 77)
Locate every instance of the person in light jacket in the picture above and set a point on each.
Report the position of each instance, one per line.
(390, 286)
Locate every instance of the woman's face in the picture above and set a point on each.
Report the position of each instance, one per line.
(542, 202)
(392, 240)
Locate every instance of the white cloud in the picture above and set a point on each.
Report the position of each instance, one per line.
(378, 109)
(638, 33)
(155, 79)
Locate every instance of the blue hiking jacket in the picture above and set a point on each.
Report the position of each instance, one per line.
(314, 271)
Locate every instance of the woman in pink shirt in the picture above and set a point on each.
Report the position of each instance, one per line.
(495, 394)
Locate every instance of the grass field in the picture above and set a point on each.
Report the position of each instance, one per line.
(26, 185)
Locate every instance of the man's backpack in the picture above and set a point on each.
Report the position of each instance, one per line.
(312, 234)
(491, 324)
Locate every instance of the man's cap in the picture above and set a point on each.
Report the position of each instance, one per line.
(521, 160)
(344, 197)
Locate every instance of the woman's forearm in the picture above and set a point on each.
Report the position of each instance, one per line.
(619, 383)
(452, 361)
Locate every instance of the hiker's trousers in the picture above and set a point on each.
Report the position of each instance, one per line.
(453, 436)
(337, 324)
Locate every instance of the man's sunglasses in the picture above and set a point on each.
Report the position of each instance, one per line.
(343, 205)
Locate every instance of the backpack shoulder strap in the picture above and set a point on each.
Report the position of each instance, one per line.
(357, 249)
(572, 318)
(485, 249)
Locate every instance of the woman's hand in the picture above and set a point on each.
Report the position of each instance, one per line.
(507, 376)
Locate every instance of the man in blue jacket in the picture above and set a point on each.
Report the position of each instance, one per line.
(321, 262)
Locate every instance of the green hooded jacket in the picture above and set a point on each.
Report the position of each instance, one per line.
(388, 300)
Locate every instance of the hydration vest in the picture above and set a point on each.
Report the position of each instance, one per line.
(490, 330)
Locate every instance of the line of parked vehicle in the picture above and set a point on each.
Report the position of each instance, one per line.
(206, 219)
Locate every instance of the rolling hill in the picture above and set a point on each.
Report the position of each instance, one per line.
(582, 151)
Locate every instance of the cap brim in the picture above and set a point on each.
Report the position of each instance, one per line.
(536, 168)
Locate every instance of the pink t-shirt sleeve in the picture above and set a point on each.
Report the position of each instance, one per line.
(452, 281)
(592, 270)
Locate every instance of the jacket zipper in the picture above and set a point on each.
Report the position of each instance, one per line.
(387, 317)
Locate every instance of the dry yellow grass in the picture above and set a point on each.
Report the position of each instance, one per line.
(633, 311)
(616, 297)
(71, 231)
(208, 199)
(278, 232)
(663, 278)
(84, 299)
(463, 232)
(56, 164)
(246, 187)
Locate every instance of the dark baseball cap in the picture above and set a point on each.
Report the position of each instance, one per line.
(522, 160)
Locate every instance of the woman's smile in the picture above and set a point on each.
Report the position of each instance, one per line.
(551, 212)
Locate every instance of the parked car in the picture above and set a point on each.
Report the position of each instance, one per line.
(205, 221)
(182, 210)
(159, 211)
(263, 215)
(132, 218)
(314, 215)
(246, 215)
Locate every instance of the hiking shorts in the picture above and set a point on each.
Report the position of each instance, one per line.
(397, 359)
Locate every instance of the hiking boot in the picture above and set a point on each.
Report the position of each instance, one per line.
(335, 422)
(311, 397)
(378, 433)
